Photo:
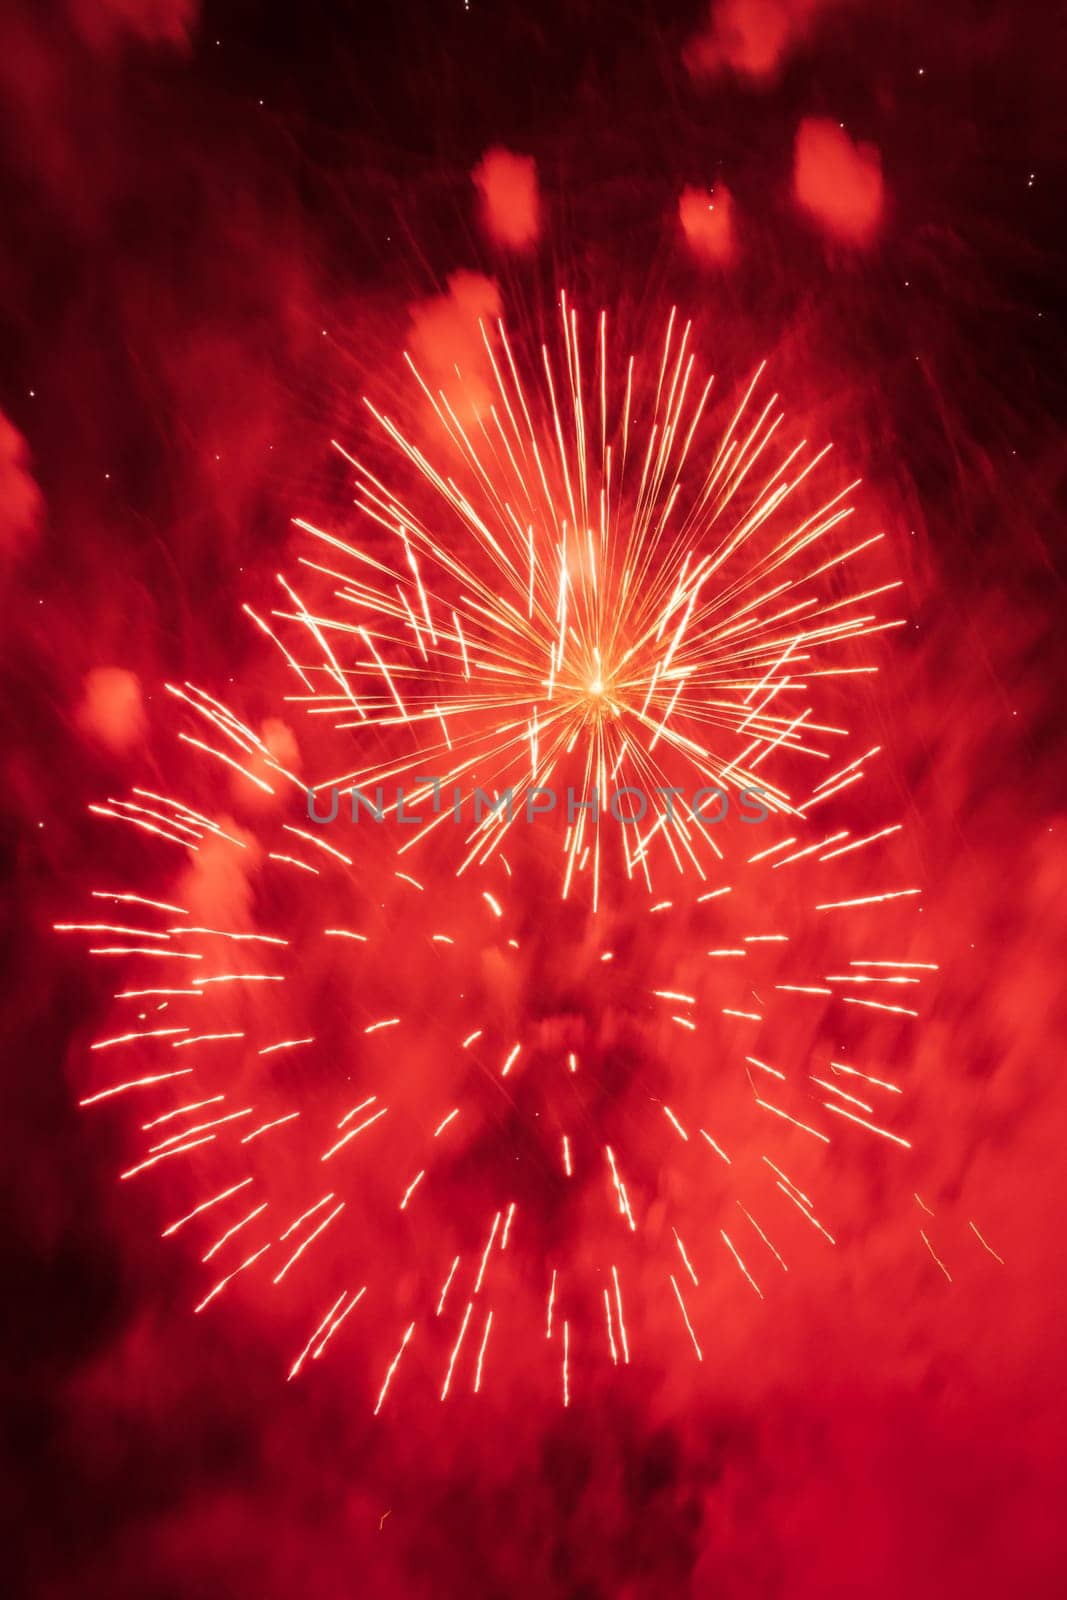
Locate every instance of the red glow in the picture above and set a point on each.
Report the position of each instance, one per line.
(549, 1208)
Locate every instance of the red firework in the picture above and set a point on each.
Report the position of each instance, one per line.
(502, 1120)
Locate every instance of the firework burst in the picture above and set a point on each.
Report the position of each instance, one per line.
(589, 586)
(408, 1115)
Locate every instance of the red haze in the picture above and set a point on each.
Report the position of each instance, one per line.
(707, 218)
(511, 205)
(838, 181)
(112, 708)
(751, 37)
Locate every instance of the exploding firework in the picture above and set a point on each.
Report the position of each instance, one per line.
(468, 1116)
(585, 589)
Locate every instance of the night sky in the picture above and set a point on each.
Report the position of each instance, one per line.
(223, 224)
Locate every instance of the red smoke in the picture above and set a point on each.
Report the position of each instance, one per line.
(511, 203)
(753, 38)
(446, 339)
(838, 181)
(707, 218)
(21, 504)
(112, 707)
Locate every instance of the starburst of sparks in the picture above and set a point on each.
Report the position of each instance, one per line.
(582, 586)
(351, 1130)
